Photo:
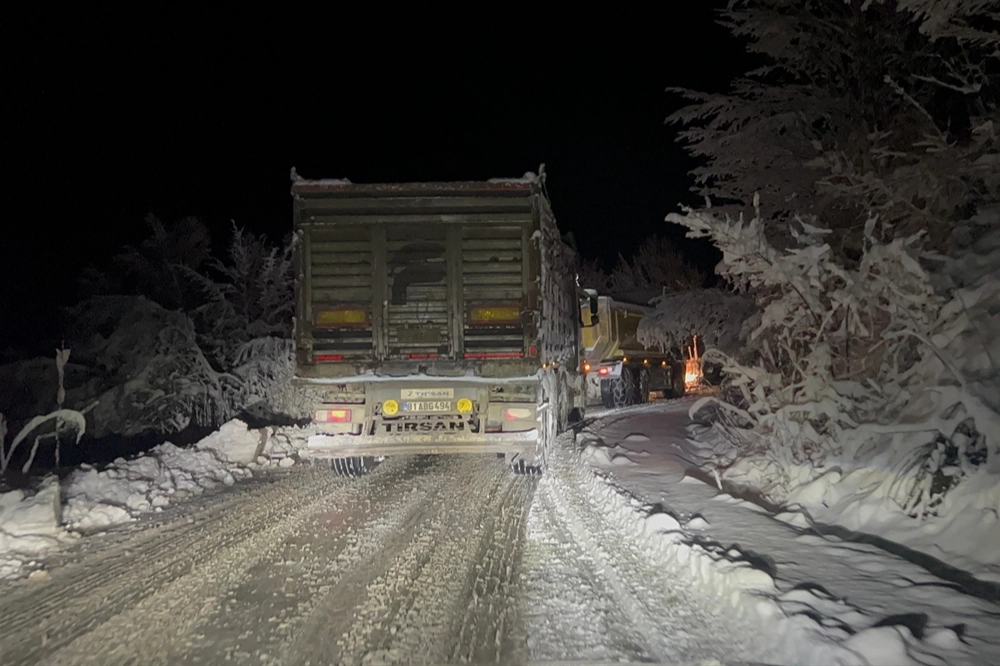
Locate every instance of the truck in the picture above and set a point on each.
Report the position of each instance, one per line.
(434, 318)
(621, 370)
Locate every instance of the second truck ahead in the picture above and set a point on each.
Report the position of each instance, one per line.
(622, 370)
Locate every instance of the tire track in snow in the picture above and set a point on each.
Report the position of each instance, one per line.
(84, 595)
(412, 601)
(569, 610)
(93, 592)
(490, 626)
(305, 574)
(167, 618)
(646, 614)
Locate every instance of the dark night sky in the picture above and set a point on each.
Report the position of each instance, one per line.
(113, 117)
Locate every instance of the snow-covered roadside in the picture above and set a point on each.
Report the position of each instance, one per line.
(863, 497)
(89, 499)
(821, 599)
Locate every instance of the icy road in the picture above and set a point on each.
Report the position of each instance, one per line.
(425, 560)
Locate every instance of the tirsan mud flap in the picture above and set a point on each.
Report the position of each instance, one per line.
(416, 443)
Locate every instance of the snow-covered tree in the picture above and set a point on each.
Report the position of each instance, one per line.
(855, 186)
(721, 319)
(590, 275)
(655, 266)
(887, 107)
(248, 296)
(156, 267)
(214, 340)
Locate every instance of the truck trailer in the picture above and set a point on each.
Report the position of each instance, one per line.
(434, 318)
(621, 370)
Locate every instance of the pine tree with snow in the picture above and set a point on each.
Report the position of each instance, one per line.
(859, 107)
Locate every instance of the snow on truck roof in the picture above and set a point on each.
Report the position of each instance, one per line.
(301, 185)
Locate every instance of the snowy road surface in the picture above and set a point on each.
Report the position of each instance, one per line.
(445, 559)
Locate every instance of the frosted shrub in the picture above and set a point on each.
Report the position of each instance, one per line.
(853, 363)
(719, 318)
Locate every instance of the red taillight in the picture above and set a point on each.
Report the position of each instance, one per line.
(333, 415)
(329, 357)
(604, 371)
(517, 413)
(422, 357)
(488, 355)
(532, 350)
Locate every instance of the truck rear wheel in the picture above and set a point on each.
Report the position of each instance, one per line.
(352, 466)
(642, 386)
(677, 386)
(619, 391)
(520, 467)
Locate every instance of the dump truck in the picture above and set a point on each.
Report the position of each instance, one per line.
(621, 370)
(434, 318)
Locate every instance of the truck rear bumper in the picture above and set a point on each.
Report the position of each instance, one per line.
(342, 446)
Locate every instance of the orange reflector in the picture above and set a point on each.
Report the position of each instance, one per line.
(333, 415)
(495, 314)
(586, 366)
(342, 317)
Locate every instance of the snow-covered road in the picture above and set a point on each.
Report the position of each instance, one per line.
(426, 560)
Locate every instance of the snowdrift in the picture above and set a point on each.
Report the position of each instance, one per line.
(91, 499)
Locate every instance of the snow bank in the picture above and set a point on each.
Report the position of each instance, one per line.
(127, 489)
(805, 624)
(91, 499)
(29, 525)
(963, 531)
(234, 443)
(727, 576)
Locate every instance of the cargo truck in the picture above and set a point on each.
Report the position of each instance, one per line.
(621, 370)
(434, 318)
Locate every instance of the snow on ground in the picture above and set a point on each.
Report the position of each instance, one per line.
(90, 499)
(964, 533)
(847, 594)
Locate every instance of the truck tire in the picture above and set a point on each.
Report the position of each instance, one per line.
(352, 466)
(619, 391)
(677, 386)
(642, 386)
(522, 468)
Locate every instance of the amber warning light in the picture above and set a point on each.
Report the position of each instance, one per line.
(342, 317)
(495, 314)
